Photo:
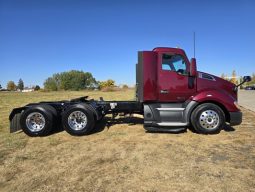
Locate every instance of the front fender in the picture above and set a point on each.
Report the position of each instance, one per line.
(217, 96)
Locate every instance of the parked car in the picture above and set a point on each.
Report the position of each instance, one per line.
(250, 88)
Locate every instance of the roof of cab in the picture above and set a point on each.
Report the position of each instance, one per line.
(169, 49)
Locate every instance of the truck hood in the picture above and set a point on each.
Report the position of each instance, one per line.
(206, 81)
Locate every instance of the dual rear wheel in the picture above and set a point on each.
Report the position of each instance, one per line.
(39, 120)
(78, 119)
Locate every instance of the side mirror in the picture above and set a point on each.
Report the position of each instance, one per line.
(193, 67)
(246, 78)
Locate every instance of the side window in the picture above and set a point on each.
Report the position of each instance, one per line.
(174, 63)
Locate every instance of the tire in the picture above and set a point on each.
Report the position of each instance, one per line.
(45, 115)
(78, 119)
(51, 109)
(208, 118)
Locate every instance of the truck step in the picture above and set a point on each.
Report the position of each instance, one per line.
(165, 130)
(172, 124)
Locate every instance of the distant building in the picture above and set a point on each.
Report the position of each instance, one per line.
(26, 89)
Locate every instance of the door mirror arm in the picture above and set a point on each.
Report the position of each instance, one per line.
(244, 80)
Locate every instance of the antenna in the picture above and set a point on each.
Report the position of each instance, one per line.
(194, 43)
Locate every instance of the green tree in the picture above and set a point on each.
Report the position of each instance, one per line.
(50, 84)
(37, 87)
(20, 85)
(75, 80)
(125, 86)
(57, 79)
(11, 86)
(0, 86)
(70, 80)
(107, 83)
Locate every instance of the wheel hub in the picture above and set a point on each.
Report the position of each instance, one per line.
(77, 120)
(209, 119)
(35, 122)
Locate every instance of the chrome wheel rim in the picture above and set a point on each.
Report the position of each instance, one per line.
(35, 122)
(209, 119)
(77, 120)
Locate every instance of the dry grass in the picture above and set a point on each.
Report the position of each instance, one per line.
(124, 157)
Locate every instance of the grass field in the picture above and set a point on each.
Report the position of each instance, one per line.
(123, 157)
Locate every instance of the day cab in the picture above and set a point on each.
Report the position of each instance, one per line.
(175, 94)
(170, 94)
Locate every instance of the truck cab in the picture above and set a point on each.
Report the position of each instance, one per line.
(175, 94)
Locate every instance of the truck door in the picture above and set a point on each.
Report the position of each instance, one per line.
(175, 84)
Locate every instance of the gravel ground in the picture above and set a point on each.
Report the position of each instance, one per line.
(247, 99)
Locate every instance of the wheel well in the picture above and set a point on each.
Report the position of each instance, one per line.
(226, 113)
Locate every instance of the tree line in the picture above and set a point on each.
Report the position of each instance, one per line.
(70, 80)
(11, 86)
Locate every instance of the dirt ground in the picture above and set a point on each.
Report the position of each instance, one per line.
(123, 157)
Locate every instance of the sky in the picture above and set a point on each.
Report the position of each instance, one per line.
(43, 37)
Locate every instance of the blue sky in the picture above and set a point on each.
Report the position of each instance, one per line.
(42, 37)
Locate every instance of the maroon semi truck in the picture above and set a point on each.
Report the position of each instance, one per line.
(170, 93)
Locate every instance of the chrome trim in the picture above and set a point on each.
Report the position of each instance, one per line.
(77, 120)
(172, 124)
(35, 122)
(209, 119)
(170, 109)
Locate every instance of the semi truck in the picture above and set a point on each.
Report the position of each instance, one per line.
(170, 94)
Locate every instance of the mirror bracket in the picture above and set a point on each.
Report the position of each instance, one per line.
(245, 79)
(193, 67)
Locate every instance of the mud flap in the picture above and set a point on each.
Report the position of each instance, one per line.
(15, 123)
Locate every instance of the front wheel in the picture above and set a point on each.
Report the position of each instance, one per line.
(208, 118)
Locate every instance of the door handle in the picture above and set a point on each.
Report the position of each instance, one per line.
(164, 91)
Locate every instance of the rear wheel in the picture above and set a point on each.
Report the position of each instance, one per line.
(78, 120)
(208, 118)
(37, 120)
